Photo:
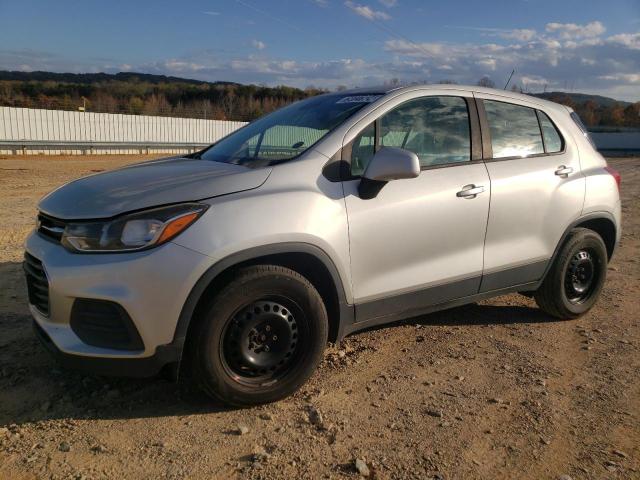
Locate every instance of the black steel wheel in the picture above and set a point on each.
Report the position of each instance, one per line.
(261, 337)
(260, 342)
(581, 276)
(575, 280)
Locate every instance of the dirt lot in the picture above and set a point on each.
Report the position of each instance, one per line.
(493, 390)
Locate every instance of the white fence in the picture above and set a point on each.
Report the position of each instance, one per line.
(94, 130)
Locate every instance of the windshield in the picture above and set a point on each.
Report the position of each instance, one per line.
(287, 132)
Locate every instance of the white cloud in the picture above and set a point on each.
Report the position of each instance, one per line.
(487, 63)
(571, 30)
(258, 44)
(585, 62)
(629, 40)
(426, 50)
(533, 81)
(519, 34)
(590, 64)
(177, 65)
(389, 3)
(366, 11)
(629, 78)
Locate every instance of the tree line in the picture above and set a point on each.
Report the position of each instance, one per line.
(594, 114)
(594, 110)
(146, 94)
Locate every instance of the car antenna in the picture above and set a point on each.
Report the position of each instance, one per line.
(507, 84)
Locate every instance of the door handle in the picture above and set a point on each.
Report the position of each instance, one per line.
(470, 191)
(563, 171)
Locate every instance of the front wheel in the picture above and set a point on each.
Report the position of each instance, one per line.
(577, 276)
(261, 338)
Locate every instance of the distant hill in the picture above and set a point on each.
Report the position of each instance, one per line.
(89, 78)
(143, 93)
(148, 94)
(580, 98)
(597, 111)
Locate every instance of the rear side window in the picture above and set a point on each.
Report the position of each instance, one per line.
(514, 130)
(550, 135)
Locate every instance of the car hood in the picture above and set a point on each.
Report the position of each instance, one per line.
(149, 184)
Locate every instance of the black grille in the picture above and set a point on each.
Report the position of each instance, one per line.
(106, 324)
(37, 283)
(50, 227)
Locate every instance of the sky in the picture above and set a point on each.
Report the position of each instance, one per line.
(588, 46)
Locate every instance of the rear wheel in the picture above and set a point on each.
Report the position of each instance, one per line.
(261, 338)
(577, 276)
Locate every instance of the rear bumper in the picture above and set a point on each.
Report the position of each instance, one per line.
(117, 367)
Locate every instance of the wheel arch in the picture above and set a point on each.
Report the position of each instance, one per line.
(309, 260)
(604, 226)
(603, 223)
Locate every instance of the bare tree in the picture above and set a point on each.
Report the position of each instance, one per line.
(394, 82)
(486, 82)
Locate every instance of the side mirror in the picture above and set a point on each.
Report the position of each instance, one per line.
(389, 163)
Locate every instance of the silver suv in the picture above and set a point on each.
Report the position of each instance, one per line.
(331, 215)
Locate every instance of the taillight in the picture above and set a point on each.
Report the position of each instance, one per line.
(615, 174)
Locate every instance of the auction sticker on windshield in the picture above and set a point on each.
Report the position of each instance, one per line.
(359, 99)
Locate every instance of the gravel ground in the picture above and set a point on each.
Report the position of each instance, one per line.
(491, 390)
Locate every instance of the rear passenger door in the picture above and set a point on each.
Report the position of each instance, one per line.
(537, 190)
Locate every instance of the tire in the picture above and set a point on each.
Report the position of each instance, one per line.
(574, 282)
(261, 337)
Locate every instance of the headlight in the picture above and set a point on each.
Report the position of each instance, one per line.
(135, 231)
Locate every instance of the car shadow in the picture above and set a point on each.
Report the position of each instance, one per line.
(481, 314)
(33, 387)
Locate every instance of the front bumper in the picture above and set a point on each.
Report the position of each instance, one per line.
(152, 286)
(117, 367)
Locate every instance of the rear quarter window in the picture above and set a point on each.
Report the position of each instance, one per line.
(578, 121)
(552, 139)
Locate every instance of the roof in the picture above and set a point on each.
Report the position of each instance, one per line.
(384, 89)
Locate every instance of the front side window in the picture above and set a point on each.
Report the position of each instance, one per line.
(363, 148)
(514, 130)
(550, 135)
(288, 132)
(436, 129)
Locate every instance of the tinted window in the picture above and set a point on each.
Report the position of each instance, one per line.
(287, 132)
(581, 126)
(551, 136)
(514, 130)
(436, 129)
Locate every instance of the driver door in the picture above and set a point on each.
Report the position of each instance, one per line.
(419, 241)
